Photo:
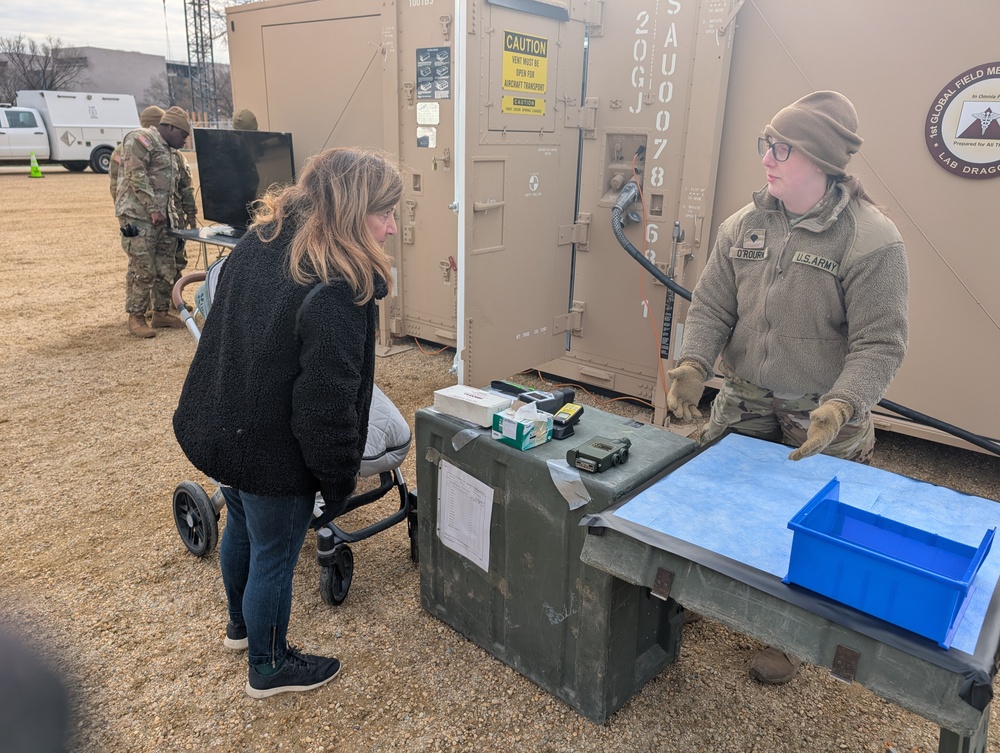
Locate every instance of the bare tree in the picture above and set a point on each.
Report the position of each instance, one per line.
(224, 90)
(223, 80)
(180, 91)
(218, 13)
(37, 65)
(157, 93)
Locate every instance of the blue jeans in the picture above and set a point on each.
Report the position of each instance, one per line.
(260, 546)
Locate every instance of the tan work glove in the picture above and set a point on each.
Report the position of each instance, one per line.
(687, 382)
(825, 424)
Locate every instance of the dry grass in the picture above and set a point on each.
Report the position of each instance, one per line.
(95, 575)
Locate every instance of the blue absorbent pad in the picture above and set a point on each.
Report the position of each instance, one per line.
(737, 496)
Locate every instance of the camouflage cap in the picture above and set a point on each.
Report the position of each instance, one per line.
(176, 117)
(150, 116)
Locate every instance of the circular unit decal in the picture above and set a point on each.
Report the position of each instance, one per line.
(963, 124)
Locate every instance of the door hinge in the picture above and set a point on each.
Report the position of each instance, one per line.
(572, 321)
(578, 233)
(593, 16)
(584, 118)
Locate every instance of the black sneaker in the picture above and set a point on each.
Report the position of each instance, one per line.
(236, 636)
(297, 673)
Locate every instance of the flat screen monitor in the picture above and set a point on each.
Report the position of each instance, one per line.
(236, 167)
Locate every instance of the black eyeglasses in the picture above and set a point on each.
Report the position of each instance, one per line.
(779, 149)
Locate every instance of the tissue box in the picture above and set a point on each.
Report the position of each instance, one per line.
(522, 429)
(907, 576)
(470, 404)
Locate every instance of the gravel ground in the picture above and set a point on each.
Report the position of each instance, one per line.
(95, 577)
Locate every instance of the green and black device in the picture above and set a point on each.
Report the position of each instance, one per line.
(599, 454)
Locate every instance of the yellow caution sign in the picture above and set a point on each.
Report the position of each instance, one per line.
(522, 106)
(525, 63)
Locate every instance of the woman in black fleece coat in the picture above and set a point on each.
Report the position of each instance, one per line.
(275, 405)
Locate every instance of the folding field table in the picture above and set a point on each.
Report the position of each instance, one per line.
(210, 234)
(711, 532)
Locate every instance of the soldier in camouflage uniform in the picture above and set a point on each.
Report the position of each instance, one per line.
(148, 118)
(185, 211)
(804, 297)
(183, 200)
(147, 181)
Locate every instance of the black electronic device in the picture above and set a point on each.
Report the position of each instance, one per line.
(237, 167)
(599, 454)
(508, 388)
(550, 402)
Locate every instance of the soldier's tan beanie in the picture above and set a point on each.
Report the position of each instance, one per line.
(823, 126)
(150, 116)
(244, 120)
(176, 117)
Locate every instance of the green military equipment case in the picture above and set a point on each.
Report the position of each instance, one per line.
(584, 636)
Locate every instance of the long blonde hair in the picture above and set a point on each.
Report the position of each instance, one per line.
(328, 206)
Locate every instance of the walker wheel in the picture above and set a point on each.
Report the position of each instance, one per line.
(196, 518)
(335, 578)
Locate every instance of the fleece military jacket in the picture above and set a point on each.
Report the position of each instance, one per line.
(277, 397)
(818, 307)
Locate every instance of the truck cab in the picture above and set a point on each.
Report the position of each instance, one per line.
(22, 132)
(74, 129)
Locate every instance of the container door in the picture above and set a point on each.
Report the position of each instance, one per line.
(520, 89)
(657, 75)
(345, 82)
(325, 71)
(425, 306)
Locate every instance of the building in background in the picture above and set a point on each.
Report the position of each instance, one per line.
(151, 79)
(121, 72)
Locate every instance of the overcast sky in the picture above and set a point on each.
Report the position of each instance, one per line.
(155, 27)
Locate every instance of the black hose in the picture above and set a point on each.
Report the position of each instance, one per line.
(630, 192)
(979, 441)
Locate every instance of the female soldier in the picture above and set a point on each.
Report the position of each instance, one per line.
(805, 298)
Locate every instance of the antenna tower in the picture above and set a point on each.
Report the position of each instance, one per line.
(201, 59)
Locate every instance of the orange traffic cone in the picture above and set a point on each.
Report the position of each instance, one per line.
(36, 171)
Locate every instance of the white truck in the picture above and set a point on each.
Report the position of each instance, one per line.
(73, 129)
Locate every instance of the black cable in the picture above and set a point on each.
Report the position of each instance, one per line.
(979, 441)
(630, 192)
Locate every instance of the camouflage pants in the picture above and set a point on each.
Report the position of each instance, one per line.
(151, 263)
(180, 259)
(748, 409)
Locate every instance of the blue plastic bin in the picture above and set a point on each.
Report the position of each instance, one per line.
(912, 578)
